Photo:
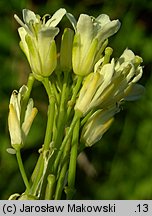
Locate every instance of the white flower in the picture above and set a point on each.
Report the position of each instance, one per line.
(90, 35)
(93, 86)
(111, 83)
(97, 125)
(18, 131)
(37, 41)
(123, 85)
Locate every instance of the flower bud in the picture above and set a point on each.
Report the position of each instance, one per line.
(14, 128)
(87, 92)
(30, 115)
(17, 131)
(66, 50)
(97, 125)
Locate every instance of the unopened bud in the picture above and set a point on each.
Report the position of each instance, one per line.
(66, 50)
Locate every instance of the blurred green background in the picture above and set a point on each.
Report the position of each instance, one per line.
(123, 158)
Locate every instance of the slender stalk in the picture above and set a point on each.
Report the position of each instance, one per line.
(59, 128)
(22, 170)
(49, 128)
(36, 170)
(48, 136)
(62, 172)
(65, 140)
(62, 113)
(25, 100)
(60, 124)
(75, 92)
(73, 161)
(60, 182)
(56, 93)
(51, 110)
(84, 120)
(38, 176)
(50, 187)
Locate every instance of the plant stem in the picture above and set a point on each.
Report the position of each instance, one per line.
(60, 182)
(84, 120)
(51, 109)
(65, 140)
(37, 176)
(62, 113)
(48, 136)
(22, 170)
(73, 161)
(50, 187)
(62, 171)
(75, 92)
(49, 128)
(26, 97)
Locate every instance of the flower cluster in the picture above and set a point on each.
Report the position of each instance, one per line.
(105, 88)
(106, 81)
(85, 85)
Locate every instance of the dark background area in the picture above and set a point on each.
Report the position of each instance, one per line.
(123, 158)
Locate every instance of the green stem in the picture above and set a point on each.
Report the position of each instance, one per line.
(61, 180)
(62, 173)
(65, 140)
(50, 187)
(73, 161)
(59, 130)
(26, 97)
(49, 128)
(48, 136)
(51, 110)
(84, 120)
(75, 92)
(62, 113)
(36, 169)
(57, 96)
(37, 176)
(22, 170)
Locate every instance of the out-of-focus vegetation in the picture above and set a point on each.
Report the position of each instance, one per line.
(123, 157)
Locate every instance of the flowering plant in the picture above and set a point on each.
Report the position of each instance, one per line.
(85, 87)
